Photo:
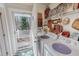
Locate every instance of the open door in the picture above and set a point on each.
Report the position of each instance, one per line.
(21, 32)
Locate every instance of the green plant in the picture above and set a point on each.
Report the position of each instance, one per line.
(24, 23)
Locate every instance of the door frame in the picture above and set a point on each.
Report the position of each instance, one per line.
(13, 28)
(5, 24)
(3, 39)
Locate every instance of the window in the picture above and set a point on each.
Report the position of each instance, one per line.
(22, 21)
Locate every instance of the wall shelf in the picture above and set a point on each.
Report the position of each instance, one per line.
(60, 15)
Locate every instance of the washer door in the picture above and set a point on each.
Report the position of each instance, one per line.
(61, 48)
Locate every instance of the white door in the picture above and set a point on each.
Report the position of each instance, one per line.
(2, 42)
(15, 32)
(22, 29)
(21, 21)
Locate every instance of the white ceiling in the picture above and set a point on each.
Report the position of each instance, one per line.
(53, 5)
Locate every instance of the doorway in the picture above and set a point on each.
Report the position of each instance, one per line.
(22, 36)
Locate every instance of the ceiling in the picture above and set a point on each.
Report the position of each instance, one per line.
(51, 5)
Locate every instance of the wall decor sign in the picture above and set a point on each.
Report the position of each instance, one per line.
(56, 21)
(58, 29)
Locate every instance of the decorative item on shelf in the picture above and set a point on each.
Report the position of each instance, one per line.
(58, 29)
(46, 13)
(59, 20)
(66, 21)
(66, 33)
(75, 24)
(61, 8)
(52, 26)
(50, 23)
(56, 21)
(45, 29)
